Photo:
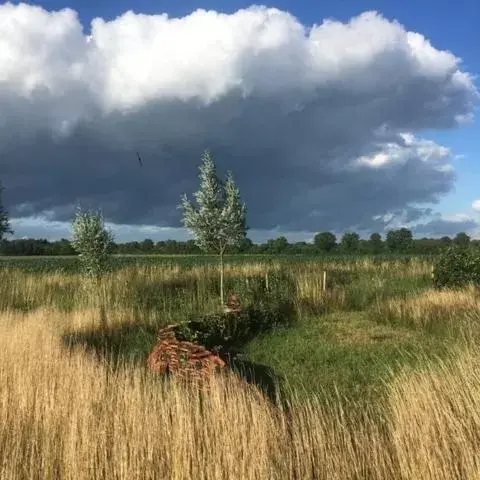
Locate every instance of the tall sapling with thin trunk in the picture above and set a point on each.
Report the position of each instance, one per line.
(220, 219)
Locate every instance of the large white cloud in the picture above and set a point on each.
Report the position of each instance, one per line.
(321, 125)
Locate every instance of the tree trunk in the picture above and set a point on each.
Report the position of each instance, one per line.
(221, 278)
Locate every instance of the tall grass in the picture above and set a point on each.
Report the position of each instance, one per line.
(68, 413)
(453, 313)
(435, 420)
(172, 291)
(65, 414)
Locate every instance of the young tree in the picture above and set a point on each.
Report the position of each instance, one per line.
(92, 241)
(220, 219)
(5, 228)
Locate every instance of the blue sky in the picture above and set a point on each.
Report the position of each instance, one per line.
(454, 30)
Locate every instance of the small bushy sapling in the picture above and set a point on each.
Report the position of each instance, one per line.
(92, 241)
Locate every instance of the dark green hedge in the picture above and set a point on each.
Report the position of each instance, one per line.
(457, 267)
(228, 333)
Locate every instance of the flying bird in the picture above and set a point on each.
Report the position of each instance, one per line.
(139, 160)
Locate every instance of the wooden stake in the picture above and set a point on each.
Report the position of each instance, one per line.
(266, 281)
(324, 283)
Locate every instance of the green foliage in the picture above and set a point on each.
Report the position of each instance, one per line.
(219, 220)
(456, 267)
(263, 307)
(147, 245)
(277, 245)
(400, 241)
(375, 243)
(5, 227)
(461, 240)
(228, 333)
(446, 241)
(325, 241)
(31, 246)
(350, 242)
(92, 241)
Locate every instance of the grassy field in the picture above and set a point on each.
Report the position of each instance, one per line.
(377, 376)
(69, 264)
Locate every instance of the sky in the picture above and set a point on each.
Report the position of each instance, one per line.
(333, 116)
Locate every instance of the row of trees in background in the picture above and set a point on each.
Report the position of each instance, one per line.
(396, 241)
(215, 229)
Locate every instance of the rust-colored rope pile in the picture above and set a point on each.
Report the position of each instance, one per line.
(184, 359)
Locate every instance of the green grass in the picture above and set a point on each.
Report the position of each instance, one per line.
(70, 264)
(372, 287)
(345, 352)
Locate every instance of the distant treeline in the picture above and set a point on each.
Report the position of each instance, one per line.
(396, 241)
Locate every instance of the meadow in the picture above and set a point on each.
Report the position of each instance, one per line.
(375, 377)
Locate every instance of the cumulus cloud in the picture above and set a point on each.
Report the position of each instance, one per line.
(321, 125)
(476, 205)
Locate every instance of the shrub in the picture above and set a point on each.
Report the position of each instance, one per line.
(92, 241)
(228, 332)
(457, 267)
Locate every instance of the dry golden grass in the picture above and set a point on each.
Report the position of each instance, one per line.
(65, 414)
(309, 290)
(433, 308)
(436, 421)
